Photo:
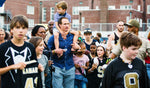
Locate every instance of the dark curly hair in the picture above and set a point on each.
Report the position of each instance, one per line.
(36, 29)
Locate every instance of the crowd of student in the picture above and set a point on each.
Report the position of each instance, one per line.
(60, 57)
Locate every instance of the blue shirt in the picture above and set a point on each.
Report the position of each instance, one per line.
(57, 16)
(67, 59)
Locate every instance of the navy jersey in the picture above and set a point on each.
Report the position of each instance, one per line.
(88, 45)
(90, 76)
(122, 75)
(11, 54)
(90, 60)
(96, 76)
(99, 73)
(30, 76)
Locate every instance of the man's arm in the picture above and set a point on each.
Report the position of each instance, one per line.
(116, 51)
(109, 42)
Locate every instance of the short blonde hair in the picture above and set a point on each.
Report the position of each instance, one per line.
(62, 4)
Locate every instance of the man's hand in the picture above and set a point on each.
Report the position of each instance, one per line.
(59, 52)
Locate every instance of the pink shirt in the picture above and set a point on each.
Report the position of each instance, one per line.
(81, 61)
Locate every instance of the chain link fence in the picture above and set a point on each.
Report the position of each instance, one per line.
(104, 28)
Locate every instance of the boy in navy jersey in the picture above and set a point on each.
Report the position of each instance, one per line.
(15, 52)
(126, 71)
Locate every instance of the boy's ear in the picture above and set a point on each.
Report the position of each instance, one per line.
(11, 30)
(123, 48)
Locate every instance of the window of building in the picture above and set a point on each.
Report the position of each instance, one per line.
(52, 12)
(56, 3)
(111, 7)
(139, 8)
(1, 21)
(43, 14)
(76, 10)
(130, 13)
(31, 22)
(127, 19)
(131, 1)
(125, 7)
(97, 7)
(141, 21)
(83, 21)
(30, 2)
(148, 9)
(129, 7)
(138, 19)
(2, 9)
(80, 3)
(148, 22)
(30, 10)
(75, 23)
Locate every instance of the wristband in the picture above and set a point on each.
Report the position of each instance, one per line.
(53, 51)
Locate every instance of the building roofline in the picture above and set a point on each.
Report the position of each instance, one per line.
(128, 9)
(113, 9)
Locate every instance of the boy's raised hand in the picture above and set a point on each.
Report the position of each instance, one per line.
(20, 65)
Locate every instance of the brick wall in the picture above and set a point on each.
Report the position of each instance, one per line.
(91, 16)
